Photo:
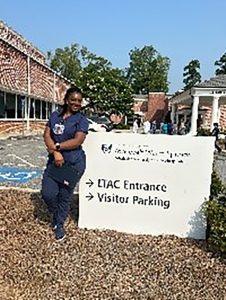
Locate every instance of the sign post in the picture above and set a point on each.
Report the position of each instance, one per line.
(23, 113)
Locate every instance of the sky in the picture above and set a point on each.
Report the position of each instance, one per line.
(181, 30)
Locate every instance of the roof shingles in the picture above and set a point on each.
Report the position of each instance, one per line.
(214, 82)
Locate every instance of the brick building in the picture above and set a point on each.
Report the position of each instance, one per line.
(152, 107)
(29, 88)
(202, 105)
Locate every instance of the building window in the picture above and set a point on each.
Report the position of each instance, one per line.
(32, 108)
(49, 110)
(10, 105)
(2, 105)
(43, 110)
(37, 109)
(20, 106)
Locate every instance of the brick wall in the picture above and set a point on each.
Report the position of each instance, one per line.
(18, 75)
(13, 38)
(140, 106)
(208, 115)
(42, 81)
(12, 128)
(222, 120)
(157, 107)
(13, 69)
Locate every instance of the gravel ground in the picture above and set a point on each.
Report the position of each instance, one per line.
(93, 264)
(90, 264)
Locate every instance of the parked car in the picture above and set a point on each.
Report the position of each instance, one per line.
(103, 121)
(95, 127)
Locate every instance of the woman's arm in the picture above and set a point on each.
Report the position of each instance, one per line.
(58, 157)
(48, 140)
(74, 142)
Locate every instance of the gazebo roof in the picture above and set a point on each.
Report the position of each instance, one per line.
(205, 90)
(215, 82)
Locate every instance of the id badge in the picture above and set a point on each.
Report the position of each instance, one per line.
(58, 129)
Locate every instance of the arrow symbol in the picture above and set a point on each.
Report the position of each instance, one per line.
(89, 197)
(90, 183)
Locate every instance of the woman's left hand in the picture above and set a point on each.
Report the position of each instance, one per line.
(58, 159)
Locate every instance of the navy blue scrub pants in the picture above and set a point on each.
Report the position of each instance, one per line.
(58, 196)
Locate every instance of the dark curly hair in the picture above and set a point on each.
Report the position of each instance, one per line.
(71, 90)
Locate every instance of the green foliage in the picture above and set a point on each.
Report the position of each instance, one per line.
(217, 223)
(105, 86)
(121, 126)
(222, 65)
(215, 211)
(203, 132)
(148, 70)
(191, 74)
(217, 187)
(66, 61)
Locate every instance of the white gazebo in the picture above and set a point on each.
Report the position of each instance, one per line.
(209, 93)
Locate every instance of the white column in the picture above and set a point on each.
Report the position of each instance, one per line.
(28, 112)
(28, 91)
(54, 87)
(215, 104)
(173, 110)
(126, 120)
(177, 118)
(194, 116)
(218, 114)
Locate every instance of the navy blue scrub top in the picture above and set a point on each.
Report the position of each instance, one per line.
(65, 129)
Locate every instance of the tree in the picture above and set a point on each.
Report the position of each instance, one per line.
(222, 65)
(148, 70)
(66, 61)
(191, 74)
(106, 87)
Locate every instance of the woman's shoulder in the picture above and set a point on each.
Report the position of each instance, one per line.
(81, 116)
(83, 122)
(55, 114)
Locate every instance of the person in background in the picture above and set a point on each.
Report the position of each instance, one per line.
(182, 129)
(135, 126)
(153, 127)
(63, 136)
(170, 127)
(139, 122)
(215, 132)
(164, 127)
(147, 126)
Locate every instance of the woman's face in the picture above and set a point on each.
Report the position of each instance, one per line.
(74, 102)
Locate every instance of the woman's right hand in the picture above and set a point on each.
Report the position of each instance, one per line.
(51, 149)
(58, 159)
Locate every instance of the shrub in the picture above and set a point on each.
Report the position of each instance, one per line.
(215, 211)
(203, 132)
(217, 187)
(121, 126)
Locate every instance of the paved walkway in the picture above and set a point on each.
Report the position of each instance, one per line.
(22, 161)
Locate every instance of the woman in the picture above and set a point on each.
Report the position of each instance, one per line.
(63, 136)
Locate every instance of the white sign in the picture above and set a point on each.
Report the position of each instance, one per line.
(146, 184)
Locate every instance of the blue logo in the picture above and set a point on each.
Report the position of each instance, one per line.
(18, 175)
